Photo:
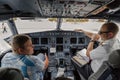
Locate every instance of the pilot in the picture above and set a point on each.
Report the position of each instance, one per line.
(108, 43)
(32, 67)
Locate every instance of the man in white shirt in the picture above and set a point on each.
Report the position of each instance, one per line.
(108, 43)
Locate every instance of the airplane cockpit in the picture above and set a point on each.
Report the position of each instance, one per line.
(60, 45)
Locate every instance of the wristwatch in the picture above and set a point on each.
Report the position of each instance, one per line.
(92, 40)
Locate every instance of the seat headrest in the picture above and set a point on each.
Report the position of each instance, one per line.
(114, 59)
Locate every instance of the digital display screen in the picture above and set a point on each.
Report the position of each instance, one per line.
(59, 40)
(61, 62)
(52, 50)
(35, 40)
(59, 48)
(52, 54)
(81, 40)
(44, 40)
(73, 40)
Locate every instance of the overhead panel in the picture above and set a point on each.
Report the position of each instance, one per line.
(52, 8)
(70, 8)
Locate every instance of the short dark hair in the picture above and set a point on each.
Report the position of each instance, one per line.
(112, 27)
(10, 74)
(18, 41)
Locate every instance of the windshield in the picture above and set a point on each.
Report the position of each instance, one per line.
(26, 26)
(38, 25)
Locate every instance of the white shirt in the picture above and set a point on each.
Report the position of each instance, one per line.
(102, 52)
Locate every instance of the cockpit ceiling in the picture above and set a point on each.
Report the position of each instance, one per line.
(53, 8)
(71, 8)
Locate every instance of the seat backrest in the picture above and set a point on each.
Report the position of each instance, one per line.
(114, 61)
(10, 74)
(103, 73)
(110, 70)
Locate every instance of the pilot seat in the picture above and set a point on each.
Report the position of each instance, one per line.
(110, 70)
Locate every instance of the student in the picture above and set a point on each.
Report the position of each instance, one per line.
(108, 43)
(31, 66)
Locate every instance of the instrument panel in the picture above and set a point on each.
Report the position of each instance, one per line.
(59, 40)
(60, 46)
